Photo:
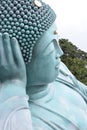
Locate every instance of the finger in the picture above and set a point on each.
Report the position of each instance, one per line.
(7, 48)
(16, 52)
(2, 55)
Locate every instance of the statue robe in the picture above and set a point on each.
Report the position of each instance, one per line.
(61, 106)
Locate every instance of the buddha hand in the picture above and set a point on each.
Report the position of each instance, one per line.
(12, 66)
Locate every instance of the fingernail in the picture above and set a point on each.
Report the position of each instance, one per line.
(13, 38)
(6, 35)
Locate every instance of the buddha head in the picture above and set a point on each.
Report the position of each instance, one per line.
(44, 66)
(32, 23)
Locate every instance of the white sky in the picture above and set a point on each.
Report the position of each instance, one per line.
(71, 20)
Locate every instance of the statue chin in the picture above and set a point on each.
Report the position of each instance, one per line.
(41, 77)
(40, 81)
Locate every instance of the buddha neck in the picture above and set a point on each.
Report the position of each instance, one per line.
(36, 88)
(38, 91)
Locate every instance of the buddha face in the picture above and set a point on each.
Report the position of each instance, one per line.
(44, 66)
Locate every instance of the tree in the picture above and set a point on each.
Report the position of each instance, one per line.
(75, 60)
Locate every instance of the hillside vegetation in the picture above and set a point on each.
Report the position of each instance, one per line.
(75, 59)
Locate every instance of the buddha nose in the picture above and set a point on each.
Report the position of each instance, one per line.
(58, 49)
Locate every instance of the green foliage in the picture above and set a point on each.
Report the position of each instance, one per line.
(75, 60)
